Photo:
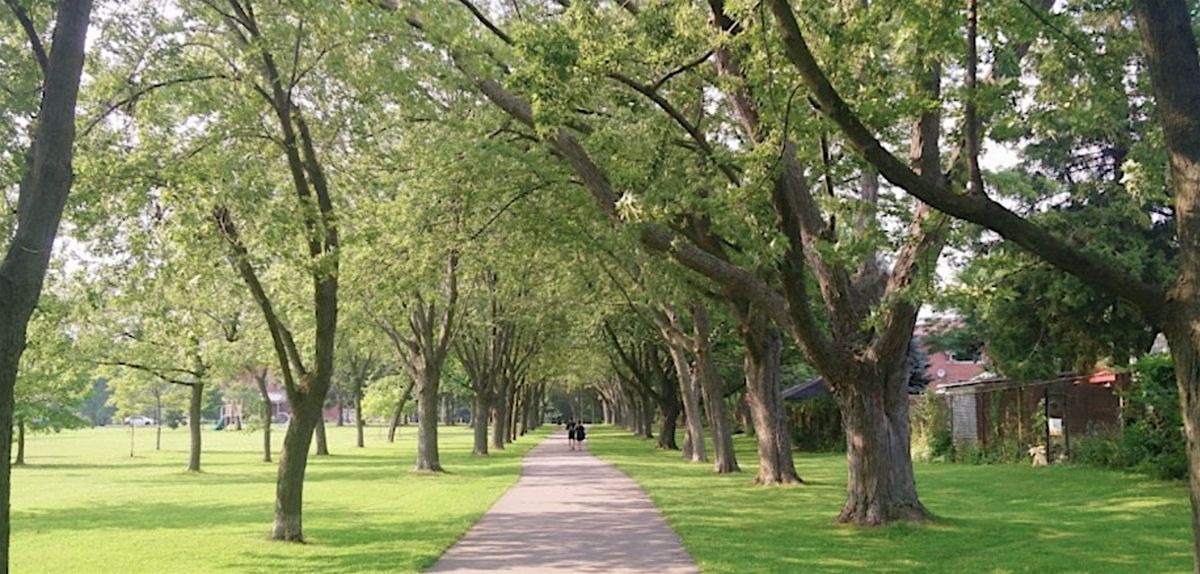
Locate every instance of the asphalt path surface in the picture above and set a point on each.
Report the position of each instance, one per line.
(570, 512)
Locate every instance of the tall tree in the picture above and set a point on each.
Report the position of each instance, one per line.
(1170, 54)
(45, 182)
(859, 335)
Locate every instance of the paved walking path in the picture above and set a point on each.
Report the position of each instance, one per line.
(569, 513)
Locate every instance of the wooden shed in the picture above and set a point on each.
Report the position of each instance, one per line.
(998, 412)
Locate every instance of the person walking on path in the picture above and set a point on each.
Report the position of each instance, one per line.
(571, 435)
(580, 435)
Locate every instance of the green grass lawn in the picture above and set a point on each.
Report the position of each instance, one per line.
(83, 505)
(1002, 518)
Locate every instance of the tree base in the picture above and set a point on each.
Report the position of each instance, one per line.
(871, 515)
(786, 480)
(287, 532)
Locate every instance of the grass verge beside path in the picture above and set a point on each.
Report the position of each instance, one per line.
(83, 505)
(1001, 518)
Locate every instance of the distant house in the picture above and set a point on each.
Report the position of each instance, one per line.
(944, 367)
(235, 409)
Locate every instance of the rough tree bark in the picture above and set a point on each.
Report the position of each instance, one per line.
(293, 461)
(880, 485)
(427, 428)
(713, 388)
(1169, 44)
(763, 348)
(41, 197)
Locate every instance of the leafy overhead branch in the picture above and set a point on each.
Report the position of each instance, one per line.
(35, 41)
(974, 208)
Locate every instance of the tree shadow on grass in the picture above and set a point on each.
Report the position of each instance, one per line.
(139, 516)
(368, 546)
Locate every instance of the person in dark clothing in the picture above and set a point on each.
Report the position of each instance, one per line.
(571, 435)
(580, 435)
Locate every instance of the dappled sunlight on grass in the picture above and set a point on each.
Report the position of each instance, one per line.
(83, 505)
(1001, 518)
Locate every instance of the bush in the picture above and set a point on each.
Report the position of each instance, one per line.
(931, 438)
(816, 425)
(1097, 450)
(1152, 440)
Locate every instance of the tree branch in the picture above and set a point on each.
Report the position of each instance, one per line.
(35, 41)
(976, 209)
(285, 347)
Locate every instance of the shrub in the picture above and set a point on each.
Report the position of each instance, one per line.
(1097, 450)
(1153, 441)
(817, 425)
(931, 439)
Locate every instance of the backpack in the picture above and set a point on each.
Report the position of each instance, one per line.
(579, 433)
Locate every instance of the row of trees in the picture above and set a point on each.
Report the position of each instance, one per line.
(497, 188)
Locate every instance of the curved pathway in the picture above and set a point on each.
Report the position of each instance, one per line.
(569, 512)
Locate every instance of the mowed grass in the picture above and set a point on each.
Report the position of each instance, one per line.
(1002, 518)
(83, 505)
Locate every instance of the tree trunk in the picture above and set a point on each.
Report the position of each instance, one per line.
(670, 420)
(158, 422)
(713, 390)
(695, 449)
(764, 346)
(20, 444)
(322, 440)
(646, 422)
(500, 417)
(43, 193)
(395, 421)
(398, 416)
(427, 429)
(1185, 354)
(268, 415)
(194, 406)
(341, 414)
(513, 406)
(1169, 47)
(359, 423)
(880, 487)
(479, 423)
(293, 461)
